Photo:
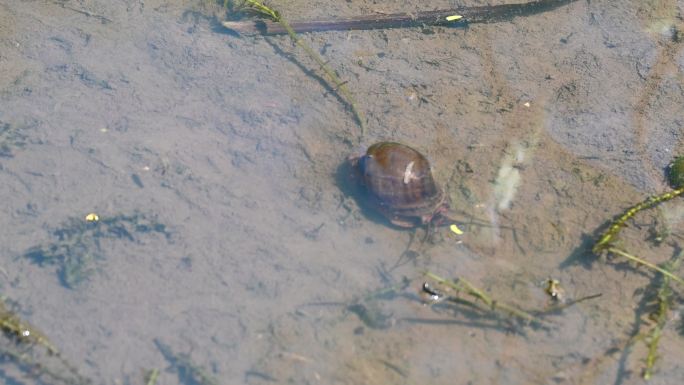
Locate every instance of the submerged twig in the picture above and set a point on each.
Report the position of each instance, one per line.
(565, 305)
(102, 19)
(456, 16)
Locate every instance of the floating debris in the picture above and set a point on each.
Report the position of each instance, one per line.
(454, 18)
(78, 243)
(455, 229)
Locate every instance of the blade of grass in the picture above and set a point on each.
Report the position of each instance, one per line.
(462, 285)
(336, 82)
(640, 261)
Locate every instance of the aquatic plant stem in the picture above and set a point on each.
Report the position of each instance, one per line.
(652, 351)
(566, 305)
(151, 377)
(664, 298)
(494, 305)
(28, 337)
(607, 238)
(640, 261)
(337, 83)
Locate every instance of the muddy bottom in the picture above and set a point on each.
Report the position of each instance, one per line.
(228, 245)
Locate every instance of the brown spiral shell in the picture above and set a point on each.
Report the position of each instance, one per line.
(399, 183)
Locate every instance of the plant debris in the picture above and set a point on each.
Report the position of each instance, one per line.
(78, 245)
(446, 17)
(459, 291)
(30, 350)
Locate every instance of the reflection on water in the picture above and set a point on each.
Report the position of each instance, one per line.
(542, 130)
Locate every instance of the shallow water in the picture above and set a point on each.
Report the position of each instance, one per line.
(269, 268)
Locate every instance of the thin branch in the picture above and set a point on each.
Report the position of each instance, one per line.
(446, 17)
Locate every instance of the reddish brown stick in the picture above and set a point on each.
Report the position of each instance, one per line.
(483, 14)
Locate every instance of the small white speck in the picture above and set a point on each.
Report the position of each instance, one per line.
(408, 173)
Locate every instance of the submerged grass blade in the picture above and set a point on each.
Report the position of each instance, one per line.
(462, 285)
(31, 351)
(337, 84)
(650, 265)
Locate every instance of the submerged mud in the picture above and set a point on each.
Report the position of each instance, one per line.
(541, 129)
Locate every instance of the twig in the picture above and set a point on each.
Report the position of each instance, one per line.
(457, 16)
(102, 19)
(569, 303)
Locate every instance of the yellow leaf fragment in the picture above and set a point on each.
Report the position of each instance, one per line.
(454, 17)
(92, 217)
(454, 229)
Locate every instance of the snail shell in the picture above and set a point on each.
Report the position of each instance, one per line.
(399, 183)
